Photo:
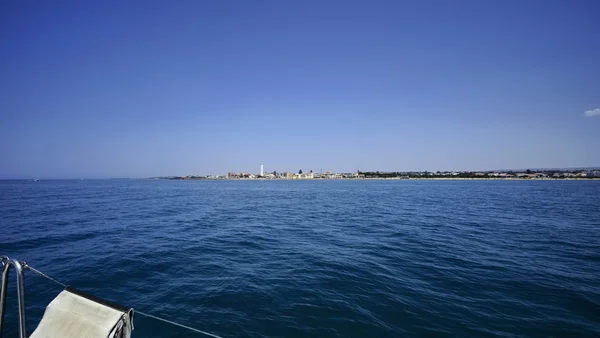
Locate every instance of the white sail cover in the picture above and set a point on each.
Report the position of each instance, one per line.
(74, 314)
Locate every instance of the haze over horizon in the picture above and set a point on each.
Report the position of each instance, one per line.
(151, 88)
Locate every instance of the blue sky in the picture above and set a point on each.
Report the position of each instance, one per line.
(145, 88)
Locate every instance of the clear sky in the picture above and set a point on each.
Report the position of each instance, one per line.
(141, 88)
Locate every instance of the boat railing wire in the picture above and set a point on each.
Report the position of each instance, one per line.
(41, 274)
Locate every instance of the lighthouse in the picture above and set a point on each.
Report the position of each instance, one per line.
(262, 169)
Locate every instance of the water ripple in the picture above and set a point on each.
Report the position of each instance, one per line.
(326, 259)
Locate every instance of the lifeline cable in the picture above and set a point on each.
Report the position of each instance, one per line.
(27, 266)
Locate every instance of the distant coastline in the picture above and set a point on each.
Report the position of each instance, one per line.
(384, 179)
(550, 174)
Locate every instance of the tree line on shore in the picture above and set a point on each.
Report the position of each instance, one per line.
(471, 174)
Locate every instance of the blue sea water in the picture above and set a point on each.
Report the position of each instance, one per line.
(316, 258)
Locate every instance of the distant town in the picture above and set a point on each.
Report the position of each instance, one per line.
(529, 174)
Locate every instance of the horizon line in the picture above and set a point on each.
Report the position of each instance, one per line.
(383, 171)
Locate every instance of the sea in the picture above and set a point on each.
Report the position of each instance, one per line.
(347, 258)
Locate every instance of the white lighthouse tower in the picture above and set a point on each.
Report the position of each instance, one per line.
(262, 169)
